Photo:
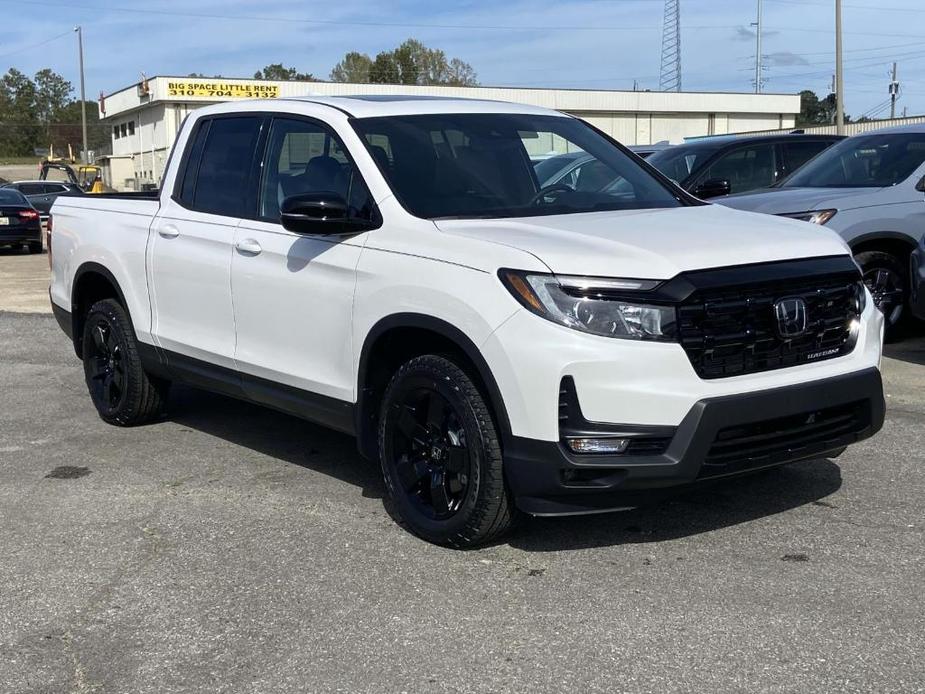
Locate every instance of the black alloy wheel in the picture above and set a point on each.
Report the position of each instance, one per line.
(441, 455)
(105, 365)
(885, 278)
(122, 392)
(430, 454)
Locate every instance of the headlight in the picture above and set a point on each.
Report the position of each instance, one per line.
(600, 306)
(819, 217)
(860, 298)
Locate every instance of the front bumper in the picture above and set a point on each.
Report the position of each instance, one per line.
(718, 437)
(917, 282)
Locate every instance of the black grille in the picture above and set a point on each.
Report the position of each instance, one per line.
(733, 330)
(747, 446)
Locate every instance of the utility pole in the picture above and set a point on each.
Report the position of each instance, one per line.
(894, 93)
(839, 74)
(758, 57)
(84, 157)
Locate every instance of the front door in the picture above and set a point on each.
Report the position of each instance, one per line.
(293, 293)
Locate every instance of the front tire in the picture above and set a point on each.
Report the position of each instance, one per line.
(888, 281)
(121, 391)
(441, 455)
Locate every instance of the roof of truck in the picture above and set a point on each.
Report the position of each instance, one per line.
(373, 105)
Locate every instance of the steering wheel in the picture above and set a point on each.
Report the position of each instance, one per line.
(543, 192)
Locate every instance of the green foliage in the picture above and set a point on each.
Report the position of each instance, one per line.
(816, 111)
(279, 73)
(410, 63)
(40, 112)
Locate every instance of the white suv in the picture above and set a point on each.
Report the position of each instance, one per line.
(392, 268)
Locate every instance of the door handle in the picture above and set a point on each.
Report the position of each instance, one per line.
(169, 231)
(248, 246)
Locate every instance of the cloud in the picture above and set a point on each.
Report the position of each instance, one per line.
(785, 58)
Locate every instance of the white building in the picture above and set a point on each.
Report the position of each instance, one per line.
(146, 117)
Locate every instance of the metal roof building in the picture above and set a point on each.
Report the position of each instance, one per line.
(146, 117)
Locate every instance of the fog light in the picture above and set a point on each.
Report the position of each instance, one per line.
(605, 445)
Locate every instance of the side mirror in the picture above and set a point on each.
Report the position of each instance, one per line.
(713, 188)
(320, 214)
(920, 186)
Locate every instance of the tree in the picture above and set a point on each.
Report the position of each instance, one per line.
(410, 63)
(353, 67)
(279, 73)
(20, 129)
(815, 111)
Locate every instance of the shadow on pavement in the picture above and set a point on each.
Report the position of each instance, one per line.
(719, 505)
(276, 435)
(911, 347)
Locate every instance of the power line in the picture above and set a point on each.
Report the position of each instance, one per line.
(37, 45)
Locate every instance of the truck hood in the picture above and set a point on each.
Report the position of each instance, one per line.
(652, 244)
(786, 200)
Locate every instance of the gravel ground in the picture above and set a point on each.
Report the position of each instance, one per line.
(231, 548)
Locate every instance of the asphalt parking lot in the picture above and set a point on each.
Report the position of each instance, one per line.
(232, 548)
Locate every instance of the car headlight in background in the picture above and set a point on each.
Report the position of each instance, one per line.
(819, 217)
(599, 306)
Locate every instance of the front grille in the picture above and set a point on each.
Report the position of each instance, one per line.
(747, 446)
(733, 330)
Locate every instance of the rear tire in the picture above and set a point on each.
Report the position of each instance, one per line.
(887, 278)
(121, 391)
(35, 247)
(441, 455)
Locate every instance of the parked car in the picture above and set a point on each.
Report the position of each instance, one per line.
(391, 268)
(868, 188)
(646, 151)
(716, 166)
(19, 222)
(42, 194)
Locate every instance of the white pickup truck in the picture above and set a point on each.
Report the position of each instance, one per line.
(392, 268)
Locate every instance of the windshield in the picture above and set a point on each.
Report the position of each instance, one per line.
(480, 166)
(868, 161)
(681, 161)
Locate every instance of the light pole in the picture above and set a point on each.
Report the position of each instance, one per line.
(839, 75)
(757, 26)
(83, 93)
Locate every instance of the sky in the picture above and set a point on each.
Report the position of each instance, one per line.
(588, 44)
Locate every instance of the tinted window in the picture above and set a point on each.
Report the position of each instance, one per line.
(798, 153)
(32, 188)
(746, 168)
(304, 157)
(54, 188)
(221, 182)
(863, 161)
(187, 181)
(11, 197)
(481, 165)
(679, 162)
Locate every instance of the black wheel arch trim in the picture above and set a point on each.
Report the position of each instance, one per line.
(365, 429)
(87, 268)
(882, 236)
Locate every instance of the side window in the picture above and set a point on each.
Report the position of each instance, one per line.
(54, 188)
(746, 168)
(32, 188)
(225, 166)
(798, 153)
(186, 182)
(304, 157)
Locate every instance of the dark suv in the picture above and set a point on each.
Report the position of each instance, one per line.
(717, 166)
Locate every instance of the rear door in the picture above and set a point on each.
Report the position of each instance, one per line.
(795, 154)
(189, 256)
(746, 167)
(293, 293)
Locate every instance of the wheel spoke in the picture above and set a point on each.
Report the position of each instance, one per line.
(435, 412)
(109, 390)
(409, 426)
(410, 472)
(457, 458)
(99, 339)
(439, 496)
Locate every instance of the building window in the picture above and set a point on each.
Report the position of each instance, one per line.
(122, 130)
(131, 127)
(115, 132)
